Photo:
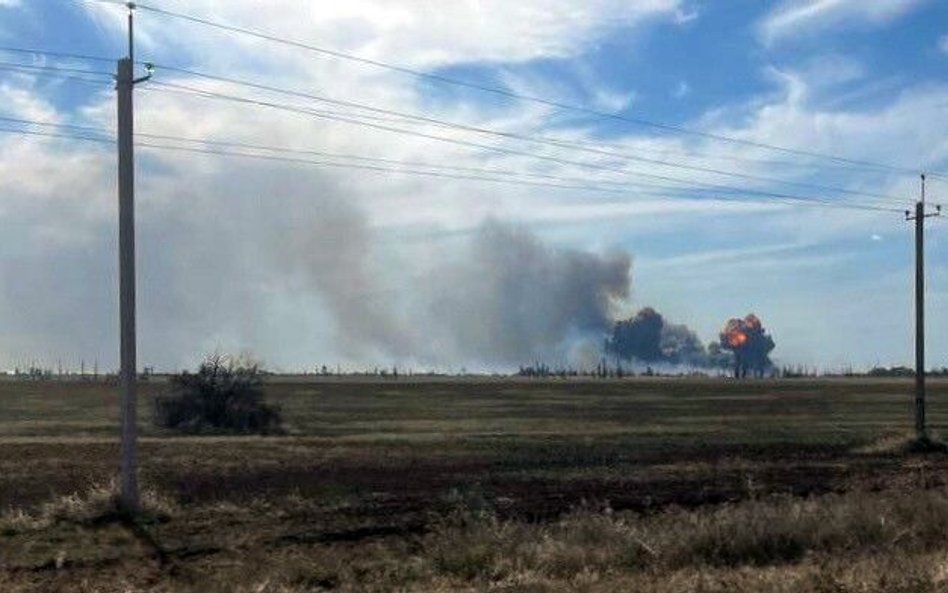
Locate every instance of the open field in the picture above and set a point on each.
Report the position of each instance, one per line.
(492, 484)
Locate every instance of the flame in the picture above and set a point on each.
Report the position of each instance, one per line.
(736, 338)
(735, 333)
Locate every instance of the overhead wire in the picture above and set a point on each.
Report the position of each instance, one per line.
(107, 140)
(514, 95)
(408, 117)
(791, 200)
(848, 163)
(559, 143)
(459, 142)
(752, 193)
(55, 54)
(312, 152)
(48, 68)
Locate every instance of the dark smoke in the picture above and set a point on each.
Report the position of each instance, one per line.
(681, 346)
(649, 338)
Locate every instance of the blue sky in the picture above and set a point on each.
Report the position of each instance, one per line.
(235, 253)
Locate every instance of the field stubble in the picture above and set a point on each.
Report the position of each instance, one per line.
(674, 485)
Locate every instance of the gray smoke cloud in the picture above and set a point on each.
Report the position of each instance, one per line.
(514, 299)
(289, 268)
(504, 299)
(332, 255)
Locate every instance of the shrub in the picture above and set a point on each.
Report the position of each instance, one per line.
(225, 395)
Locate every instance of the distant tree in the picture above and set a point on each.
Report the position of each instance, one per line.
(896, 371)
(225, 395)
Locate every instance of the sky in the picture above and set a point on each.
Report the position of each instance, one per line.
(302, 264)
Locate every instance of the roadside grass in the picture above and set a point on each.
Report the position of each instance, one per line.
(777, 543)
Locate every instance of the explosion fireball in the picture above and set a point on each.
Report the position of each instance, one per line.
(750, 343)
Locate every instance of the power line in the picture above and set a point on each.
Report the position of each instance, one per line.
(191, 91)
(349, 156)
(313, 152)
(521, 137)
(63, 69)
(309, 161)
(55, 54)
(786, 199)
(518, 96)
(59, 135)
(767, 162)
(498, 149)
(99, 82)
(850, 164)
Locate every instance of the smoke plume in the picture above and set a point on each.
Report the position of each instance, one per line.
(648, 337)
(504, 298)
(511, 298)
(333, 255)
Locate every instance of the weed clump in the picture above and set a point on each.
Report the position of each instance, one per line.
(225, 395)
(96, 505)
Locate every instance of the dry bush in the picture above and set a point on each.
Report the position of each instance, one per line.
(224, 396)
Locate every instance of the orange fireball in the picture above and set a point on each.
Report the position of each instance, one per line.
(736, 338)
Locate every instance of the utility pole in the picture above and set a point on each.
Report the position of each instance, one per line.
(919, 217)
(125, 84)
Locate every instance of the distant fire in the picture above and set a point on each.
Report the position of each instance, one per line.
(750, 343)
(734, 335)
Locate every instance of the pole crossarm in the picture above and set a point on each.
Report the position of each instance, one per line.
(909, 215)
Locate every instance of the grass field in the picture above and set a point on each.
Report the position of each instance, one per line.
(485, 484)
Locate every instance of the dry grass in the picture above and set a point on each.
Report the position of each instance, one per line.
(480, 486)
(97, 504)
(832, 543)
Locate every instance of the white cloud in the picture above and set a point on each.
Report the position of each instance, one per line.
(611, 102)
(215, 231)
(795, 18)
(682, 90)
(9, 3)
(409, 32)
(23, 102)
(683, 16)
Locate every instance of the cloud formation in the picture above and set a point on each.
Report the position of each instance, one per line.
(795, 18)
(409, 32)
(304, 264)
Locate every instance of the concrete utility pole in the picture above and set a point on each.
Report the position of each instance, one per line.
(919, 217)
(125, 84)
